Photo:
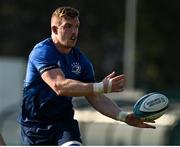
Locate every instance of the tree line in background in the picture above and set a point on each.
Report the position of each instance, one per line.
(25, 22)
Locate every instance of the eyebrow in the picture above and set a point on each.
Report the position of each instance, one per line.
(71, 23)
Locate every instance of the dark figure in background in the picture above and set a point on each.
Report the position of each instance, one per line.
(2, 142)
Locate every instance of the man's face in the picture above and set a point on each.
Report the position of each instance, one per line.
(68, 32)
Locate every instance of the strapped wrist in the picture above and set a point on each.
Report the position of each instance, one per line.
(109, 88)
(98, 87)
(122, 115)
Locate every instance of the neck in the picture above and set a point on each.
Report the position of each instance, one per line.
(61, 48)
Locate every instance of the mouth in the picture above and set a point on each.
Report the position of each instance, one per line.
(73, 38)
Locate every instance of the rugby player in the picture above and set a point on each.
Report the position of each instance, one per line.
(57, 70)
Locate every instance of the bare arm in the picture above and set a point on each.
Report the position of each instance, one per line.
(68, 87)
(104, 105)
(108, 108)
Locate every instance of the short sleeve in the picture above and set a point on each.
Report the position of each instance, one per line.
(43, 58)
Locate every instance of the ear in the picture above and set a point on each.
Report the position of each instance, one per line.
(54, 29)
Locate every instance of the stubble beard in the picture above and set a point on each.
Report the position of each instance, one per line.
(69, 45)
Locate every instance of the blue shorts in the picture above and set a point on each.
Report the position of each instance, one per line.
(51, 135)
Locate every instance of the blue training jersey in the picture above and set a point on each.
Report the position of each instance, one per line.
(40, 103)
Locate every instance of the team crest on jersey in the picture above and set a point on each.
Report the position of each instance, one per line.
(76, 68)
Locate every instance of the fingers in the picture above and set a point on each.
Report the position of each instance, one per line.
(141, 124)
(149, 121)
(111, 75)
(144, 125)
(114, 83)
(118, 83)
(136, 122)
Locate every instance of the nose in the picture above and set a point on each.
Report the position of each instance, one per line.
(75, 30)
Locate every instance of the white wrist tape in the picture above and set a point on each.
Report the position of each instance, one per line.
(122, 116)
(109, 89)
(98, 87)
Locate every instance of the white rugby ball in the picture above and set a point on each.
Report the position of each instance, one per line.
(151, 106)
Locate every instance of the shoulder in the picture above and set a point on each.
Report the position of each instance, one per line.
(44, 48)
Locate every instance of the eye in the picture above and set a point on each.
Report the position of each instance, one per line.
(77, 26)
(68, 26)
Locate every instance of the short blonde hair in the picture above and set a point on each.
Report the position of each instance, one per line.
(66, 12)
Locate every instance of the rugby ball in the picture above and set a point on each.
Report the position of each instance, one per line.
(151, 106)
